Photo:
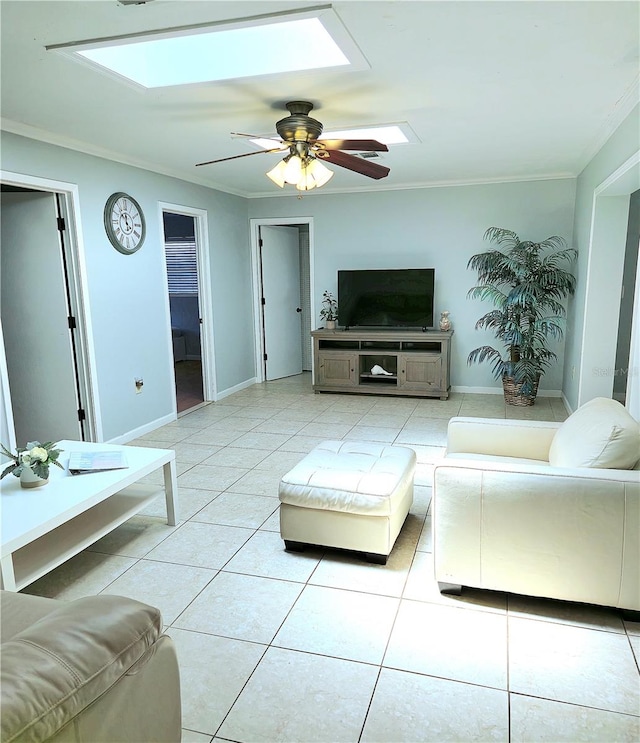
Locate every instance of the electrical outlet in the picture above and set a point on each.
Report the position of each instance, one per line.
(139, 383)
(573, 372)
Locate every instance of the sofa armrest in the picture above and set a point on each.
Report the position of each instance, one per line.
(563, 533)
(499, 437)
(64, 662)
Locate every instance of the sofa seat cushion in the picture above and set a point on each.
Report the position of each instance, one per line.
(64, 661)
(350, 476)
(600, 434)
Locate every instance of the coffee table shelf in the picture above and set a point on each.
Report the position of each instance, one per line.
(44, 527)
(55, 547)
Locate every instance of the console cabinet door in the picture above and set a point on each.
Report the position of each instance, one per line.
(420, 371)
(336, 369)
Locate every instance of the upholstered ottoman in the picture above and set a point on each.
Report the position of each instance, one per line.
(348, 494)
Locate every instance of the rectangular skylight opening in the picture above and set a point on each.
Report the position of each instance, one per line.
(267, 45)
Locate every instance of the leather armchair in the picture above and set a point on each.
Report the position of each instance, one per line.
(506, 518)
(95, 670)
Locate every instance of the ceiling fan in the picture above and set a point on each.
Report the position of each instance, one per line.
(303, 166)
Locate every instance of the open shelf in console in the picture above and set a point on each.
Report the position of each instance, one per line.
(426, 346)
(381, 345)
(337, 345)
(370, 366)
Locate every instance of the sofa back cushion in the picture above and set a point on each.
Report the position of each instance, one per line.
(601, 434)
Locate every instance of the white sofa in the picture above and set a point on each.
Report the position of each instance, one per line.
(542, 509)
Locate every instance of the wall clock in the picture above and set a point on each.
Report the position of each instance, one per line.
(124, 223)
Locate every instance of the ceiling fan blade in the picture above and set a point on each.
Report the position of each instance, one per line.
(362, 145)
(246, 154)
(255, 136)
(357, 164)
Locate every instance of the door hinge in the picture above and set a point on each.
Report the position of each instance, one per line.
(263, 301)
(82, 416)
(259, 242)
(72, 322)
(264, 358)
(61, 224)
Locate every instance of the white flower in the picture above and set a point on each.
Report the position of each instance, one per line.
(25, 457)
(39, 452)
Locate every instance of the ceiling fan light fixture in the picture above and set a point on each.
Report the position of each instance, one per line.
(300, 170)
(321, 174)
(277, 174)
(293, 170)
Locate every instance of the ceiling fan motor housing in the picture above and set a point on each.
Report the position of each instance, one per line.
(299, 127)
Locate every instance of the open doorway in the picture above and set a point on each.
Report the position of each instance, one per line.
(282, 252)
(623, 366)
(610, 274)
(184, 308)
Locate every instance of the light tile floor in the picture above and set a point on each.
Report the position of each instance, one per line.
(321, 646)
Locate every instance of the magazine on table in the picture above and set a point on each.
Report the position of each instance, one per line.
(84, 462)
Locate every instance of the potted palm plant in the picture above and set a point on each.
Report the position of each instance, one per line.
(527, 283)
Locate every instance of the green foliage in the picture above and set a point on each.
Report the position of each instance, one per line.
(329, 310)
(35, 455)
(526, 282)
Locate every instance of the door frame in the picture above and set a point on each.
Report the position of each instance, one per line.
(205, 306)
(255, 225)
(607, 243)
(74, 252)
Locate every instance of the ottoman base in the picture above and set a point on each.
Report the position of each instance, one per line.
(372, 535)
(301, 547)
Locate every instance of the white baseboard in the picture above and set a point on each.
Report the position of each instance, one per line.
(499, 391)
(566, 404)
(142, 430)
(236, 388)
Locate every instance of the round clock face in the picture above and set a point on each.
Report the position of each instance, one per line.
(124, 223)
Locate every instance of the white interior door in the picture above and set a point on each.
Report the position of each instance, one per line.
(39, 358)
(282, 316)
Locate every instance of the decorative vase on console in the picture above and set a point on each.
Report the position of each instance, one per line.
(445, 322)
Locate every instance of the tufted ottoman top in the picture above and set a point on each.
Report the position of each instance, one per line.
(351, 476)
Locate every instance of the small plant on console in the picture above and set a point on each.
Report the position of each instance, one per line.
(329, 309)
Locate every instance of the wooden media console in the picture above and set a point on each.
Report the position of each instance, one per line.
(417, 362)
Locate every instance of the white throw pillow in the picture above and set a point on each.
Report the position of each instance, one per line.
(599, 434)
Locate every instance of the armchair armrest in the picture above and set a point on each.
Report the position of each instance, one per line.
(502, 438)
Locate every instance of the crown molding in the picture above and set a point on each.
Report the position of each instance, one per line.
(42, 135)
(621, 110)
(418, 186)
(69, 143)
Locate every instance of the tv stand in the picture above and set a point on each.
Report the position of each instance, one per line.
(417, 362)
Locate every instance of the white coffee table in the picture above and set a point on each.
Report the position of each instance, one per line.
(42, 527)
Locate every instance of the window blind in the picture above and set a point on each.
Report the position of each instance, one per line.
(182, 266)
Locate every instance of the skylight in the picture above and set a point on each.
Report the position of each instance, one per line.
(270, 45)
(392, 134)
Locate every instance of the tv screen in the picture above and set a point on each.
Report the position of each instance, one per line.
(386, 298)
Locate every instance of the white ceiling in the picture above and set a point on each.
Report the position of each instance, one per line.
(493, 90)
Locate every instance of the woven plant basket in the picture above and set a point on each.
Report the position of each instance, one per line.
(513, 394)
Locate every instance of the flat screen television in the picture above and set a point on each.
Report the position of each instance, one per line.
(386, 298)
